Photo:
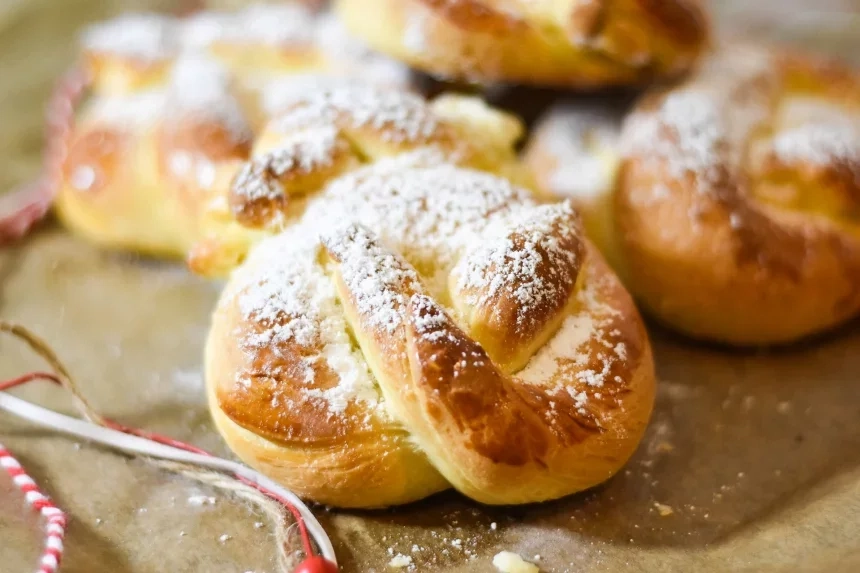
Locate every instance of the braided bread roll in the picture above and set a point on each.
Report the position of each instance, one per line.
(336, 128)
(735, 211)
(175, 106)
(567, 43)
(425, 326)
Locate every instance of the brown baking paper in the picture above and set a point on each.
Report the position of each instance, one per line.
(751, 462)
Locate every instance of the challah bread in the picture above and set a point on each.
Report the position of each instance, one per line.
(425, 326)
(567, 43)
(738, 199)
(317, 134)
(174, 103)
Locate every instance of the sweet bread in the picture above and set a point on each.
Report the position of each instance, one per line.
(573, 154)
(737, 200)
(734, 214)
(174, 104)
(317, 134)
(425, 326)
(568, 43)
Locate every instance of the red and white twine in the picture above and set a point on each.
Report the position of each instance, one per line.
(25, 206)
(55, 528)
(167, 452)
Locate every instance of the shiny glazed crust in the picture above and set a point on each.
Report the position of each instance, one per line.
(573, 43)
(737, 199)
(424, 326)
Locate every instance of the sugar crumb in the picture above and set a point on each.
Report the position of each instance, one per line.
(400, 561)
(663, 509)
(509, 562)
(198, 500)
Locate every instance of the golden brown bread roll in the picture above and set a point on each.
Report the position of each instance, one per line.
(425, 326)
(573, 43)
(735, 215)
(174, 105)
(317, 134)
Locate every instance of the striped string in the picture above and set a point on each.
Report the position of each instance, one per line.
(55, 526)
(25, 206)
(164, 451)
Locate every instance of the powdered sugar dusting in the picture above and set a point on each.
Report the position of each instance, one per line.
(400, 116)
(727, 126)
(429, 215)
(149, 38)
(302, 152)
(533, 260)
(702, 128)
(820, 143)
(201, 30)
(134, 111)
(271, 24)
(417, 207)
(200, 86)
(577, 138)
(432, 215)
(143, 37)
(795, 111)
(285, 291)
(584, 337)
(282, 25)
(284, 91)
(686, 131)
(379, 281)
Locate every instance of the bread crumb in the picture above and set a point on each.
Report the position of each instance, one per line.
(224, 538)
(199, 500)
(663, 510)
(400, 561)
(508, 562)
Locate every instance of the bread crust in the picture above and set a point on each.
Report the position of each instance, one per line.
(565, 44)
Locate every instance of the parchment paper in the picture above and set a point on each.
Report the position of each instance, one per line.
(751, 462)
